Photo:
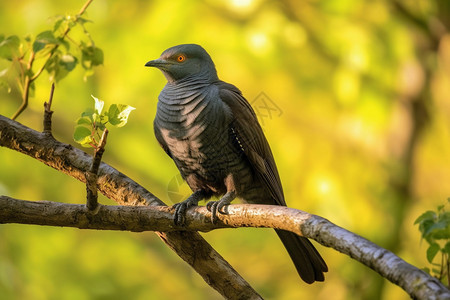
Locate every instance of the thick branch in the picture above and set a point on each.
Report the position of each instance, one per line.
(63, 157)
(189, 245)
(417, 283)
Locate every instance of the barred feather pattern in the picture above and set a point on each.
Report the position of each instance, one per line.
(196, 129)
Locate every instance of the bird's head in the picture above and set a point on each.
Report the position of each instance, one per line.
(185, 61)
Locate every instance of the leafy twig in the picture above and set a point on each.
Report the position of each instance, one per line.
(93, 121)
(435, 229)
(28, 77)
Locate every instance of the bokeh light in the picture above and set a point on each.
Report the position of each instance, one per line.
(360, 136)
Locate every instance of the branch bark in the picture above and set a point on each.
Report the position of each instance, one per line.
(92, 174)
(415, 282)
(190, 246)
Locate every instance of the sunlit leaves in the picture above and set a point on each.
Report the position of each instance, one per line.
(51, 50)
(435, 229)
(9, 47)
(91, 56)
(98, 105)
(93, 122)
(43, 40)
(68, 61)
(118, 114)
(60, 64)
(432, 251)
(83, 135)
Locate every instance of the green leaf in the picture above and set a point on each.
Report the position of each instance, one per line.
(68, 61)
(97, 57)
(87, 121)
(82, 135)
(43, 39)
(429, 215)
(435, 227)
(425, 227)
(100, 126)
(445, 216)
(446, 248)
(55, 67)
(91, 56)
(83, 21)
(9, 47)
(88, 113)
(440, 231)
(57, 26)
(118, 114)
(98, 105)
(64, 43)
(432, 251)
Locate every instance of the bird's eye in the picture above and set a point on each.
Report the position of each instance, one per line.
(181, 58)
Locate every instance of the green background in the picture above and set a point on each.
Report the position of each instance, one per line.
(355, 107)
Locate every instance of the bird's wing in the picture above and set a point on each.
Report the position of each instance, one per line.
(250, 136)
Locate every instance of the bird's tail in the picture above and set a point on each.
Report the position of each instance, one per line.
(307, 260)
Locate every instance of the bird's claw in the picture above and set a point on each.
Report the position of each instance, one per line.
(217, 207)
(179, 218)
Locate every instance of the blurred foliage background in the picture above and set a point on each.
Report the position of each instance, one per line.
(353, 97)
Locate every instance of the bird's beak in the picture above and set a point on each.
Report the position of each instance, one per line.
(157, 63)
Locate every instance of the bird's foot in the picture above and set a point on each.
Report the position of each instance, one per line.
(179, 218)
(218, 206)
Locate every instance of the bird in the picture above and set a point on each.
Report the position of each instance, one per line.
(213, 135)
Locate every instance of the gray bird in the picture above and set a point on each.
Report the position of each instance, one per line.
(212, 134)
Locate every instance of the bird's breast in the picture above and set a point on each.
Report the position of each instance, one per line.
(200, 132)
(195, 126)
(188, 120)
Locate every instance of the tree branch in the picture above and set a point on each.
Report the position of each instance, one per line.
(92, 174)
(48, 112)
(190, 246)
(415, 282)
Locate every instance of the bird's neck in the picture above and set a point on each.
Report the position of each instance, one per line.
(204, 77)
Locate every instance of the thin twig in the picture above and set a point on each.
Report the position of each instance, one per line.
(26, 86)
(39, 71)
(48, 112)
(28, 80)
(85, 6)
(92, 174)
